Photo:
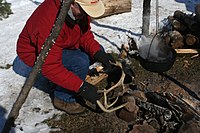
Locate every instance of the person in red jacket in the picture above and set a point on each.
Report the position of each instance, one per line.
(68, 61)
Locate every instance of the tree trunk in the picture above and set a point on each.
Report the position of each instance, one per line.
(116, 6)
(146, 17)
(36, 69)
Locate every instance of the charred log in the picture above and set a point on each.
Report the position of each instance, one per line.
(185, 30)
(176, 39)
(191, 39)
(187, 20)
(177, 25)
(197, 12)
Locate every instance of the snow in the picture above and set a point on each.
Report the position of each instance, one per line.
(111, 32)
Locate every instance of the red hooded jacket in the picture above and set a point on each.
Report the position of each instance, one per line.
(38, 28)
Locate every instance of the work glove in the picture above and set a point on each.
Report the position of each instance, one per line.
(105, 59)
(89, 92)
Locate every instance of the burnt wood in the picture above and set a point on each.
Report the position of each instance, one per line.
(197, 12)
(177, 25)
(191, 39)
(187, 20)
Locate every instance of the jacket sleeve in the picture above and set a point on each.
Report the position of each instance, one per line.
(26, 50)
(54, 70)
(88, 42)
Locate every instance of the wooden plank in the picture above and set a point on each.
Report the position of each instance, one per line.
(187, 51)
(96, 79)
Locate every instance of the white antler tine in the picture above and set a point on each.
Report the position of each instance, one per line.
(110, 110)
(106, 107)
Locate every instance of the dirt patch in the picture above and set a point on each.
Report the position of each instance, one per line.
(182, 79)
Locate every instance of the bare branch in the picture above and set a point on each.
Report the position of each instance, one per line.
(37, 67)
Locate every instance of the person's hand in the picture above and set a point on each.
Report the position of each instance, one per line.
(89, 92)
(105, 59)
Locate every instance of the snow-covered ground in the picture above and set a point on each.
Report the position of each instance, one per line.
(110, 32)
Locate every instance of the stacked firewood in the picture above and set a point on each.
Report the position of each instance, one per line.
(185, 32)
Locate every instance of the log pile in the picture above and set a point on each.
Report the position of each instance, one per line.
(185, 30)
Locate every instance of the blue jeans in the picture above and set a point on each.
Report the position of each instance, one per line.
(76, 61)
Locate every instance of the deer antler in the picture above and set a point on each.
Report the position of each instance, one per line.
(106, 107)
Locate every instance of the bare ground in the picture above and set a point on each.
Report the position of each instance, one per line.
(182, 79)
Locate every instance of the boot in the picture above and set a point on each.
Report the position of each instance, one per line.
(70, 108)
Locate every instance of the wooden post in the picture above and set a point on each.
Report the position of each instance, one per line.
(157, 15)
(37, 67)
(146, 17)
